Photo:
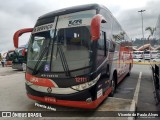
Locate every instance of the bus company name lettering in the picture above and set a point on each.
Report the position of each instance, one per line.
(43, 28)
(75, 22)
(34, 79)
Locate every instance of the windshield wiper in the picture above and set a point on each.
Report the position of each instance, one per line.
(39, 60)
(63, 59)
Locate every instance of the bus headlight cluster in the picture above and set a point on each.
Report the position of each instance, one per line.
(87, 84)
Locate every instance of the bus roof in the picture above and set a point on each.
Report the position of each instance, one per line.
(71, 10)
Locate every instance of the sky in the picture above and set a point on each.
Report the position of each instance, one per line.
(18, 14)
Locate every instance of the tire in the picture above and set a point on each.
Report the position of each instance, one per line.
(113, 85)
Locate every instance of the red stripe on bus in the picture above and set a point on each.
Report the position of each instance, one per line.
(79, 104)
(39, 81)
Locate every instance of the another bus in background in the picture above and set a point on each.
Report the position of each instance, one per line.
(138, 54)
(154, 54)
(9, 57)
(147, 55)
(19, 57)
(20, 54)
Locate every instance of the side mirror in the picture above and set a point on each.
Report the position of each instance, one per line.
(19, 33)
(95, 26)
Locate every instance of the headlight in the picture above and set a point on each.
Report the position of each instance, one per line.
(87, 84)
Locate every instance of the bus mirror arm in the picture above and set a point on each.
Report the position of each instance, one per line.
(18, 33)
(95, 26)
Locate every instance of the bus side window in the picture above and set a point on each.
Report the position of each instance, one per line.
(102, 44)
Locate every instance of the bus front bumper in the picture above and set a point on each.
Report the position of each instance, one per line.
(51, 99)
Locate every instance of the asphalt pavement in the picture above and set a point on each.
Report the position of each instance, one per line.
(13, 95)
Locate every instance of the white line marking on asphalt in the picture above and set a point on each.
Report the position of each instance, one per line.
(135, 97)
(132, 109)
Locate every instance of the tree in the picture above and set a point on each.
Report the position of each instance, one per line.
(122, 35)
(116, 37)
(119, 37)
(151, 30)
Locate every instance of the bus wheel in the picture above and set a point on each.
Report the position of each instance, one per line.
(113, 86)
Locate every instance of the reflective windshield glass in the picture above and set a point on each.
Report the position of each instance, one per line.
(39, 43)
(19, 51)
(64, 47)
(74, 44)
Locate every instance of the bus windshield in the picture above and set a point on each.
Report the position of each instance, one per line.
(61, 49)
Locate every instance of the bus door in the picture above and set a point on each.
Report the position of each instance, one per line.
(99, 38)
(103, 64)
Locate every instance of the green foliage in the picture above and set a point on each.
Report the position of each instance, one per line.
(151, 30)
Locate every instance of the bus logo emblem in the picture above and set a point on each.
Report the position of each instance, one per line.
(75, 22)
(49, 90)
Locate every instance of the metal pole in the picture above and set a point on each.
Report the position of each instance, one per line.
(141, 11)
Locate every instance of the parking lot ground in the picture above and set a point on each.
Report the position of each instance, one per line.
(13, 95)
(146, 101)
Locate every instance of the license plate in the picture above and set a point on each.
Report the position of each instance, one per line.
(50, 99)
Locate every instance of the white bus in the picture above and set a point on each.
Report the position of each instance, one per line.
(138, 54)
(147, 55)
(154, 54)
(74, 58)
